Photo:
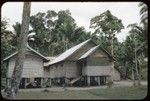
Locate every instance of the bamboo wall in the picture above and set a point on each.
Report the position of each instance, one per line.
(68, 69)
(116, 75)
(97, 70)
(33, 66)
(99, 64)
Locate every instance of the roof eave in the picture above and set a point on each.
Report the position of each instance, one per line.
(73, 52)
(49, 65)
(10, 56)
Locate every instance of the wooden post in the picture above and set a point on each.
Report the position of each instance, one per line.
(25, 80)
(44, 82)
(98, 79)
(104, 79)
(85, 79)
(50, 82)
(88, 80)
(41, 82)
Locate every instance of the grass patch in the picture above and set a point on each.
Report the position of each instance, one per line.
(45, 90)
(144, 73)
(108, 93)
(122, 92)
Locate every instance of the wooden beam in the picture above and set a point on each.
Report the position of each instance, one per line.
(88, 80)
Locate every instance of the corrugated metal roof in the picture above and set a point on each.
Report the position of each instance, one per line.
(37, 53)
(67, 53)
(29, 48)
(88, 52)
(50, 58)
(92, 50)
(10, 56)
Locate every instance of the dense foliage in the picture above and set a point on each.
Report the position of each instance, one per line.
(55, 32)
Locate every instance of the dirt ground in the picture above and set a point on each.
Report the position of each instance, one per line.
(116, 84)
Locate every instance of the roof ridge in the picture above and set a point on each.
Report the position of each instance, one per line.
(90, 51)
(67, 53)
(28, 48)
(36, 52)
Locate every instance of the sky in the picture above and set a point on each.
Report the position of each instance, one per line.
(82, 12)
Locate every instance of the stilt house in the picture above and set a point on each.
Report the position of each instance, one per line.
(86, 64)
(32, 68)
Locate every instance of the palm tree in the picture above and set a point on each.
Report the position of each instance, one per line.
(6, 45)
(17, 72)
(6, 37)
(141, 35)
(140, 44)
(71, 34)
(143, 11)
(140, 32)
(17, 31)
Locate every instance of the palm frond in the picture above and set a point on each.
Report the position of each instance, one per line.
(143, 10)
(132, 25)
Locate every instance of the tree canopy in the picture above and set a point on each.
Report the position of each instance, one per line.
(55, 32)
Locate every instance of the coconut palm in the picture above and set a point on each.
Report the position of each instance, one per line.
(143, 11)
(11, 92)
(141, 35)
(17, 31)
(71, 34)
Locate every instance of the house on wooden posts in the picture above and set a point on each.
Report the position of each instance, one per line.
(86, 64)
(32, 70)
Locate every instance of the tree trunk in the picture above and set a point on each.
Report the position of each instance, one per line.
(139, 77)
(125, 70)
(136, 68)
(133, 79)
(10, 92)
(112, 48)
(112, 53)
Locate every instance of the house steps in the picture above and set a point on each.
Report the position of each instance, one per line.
(75, 80)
